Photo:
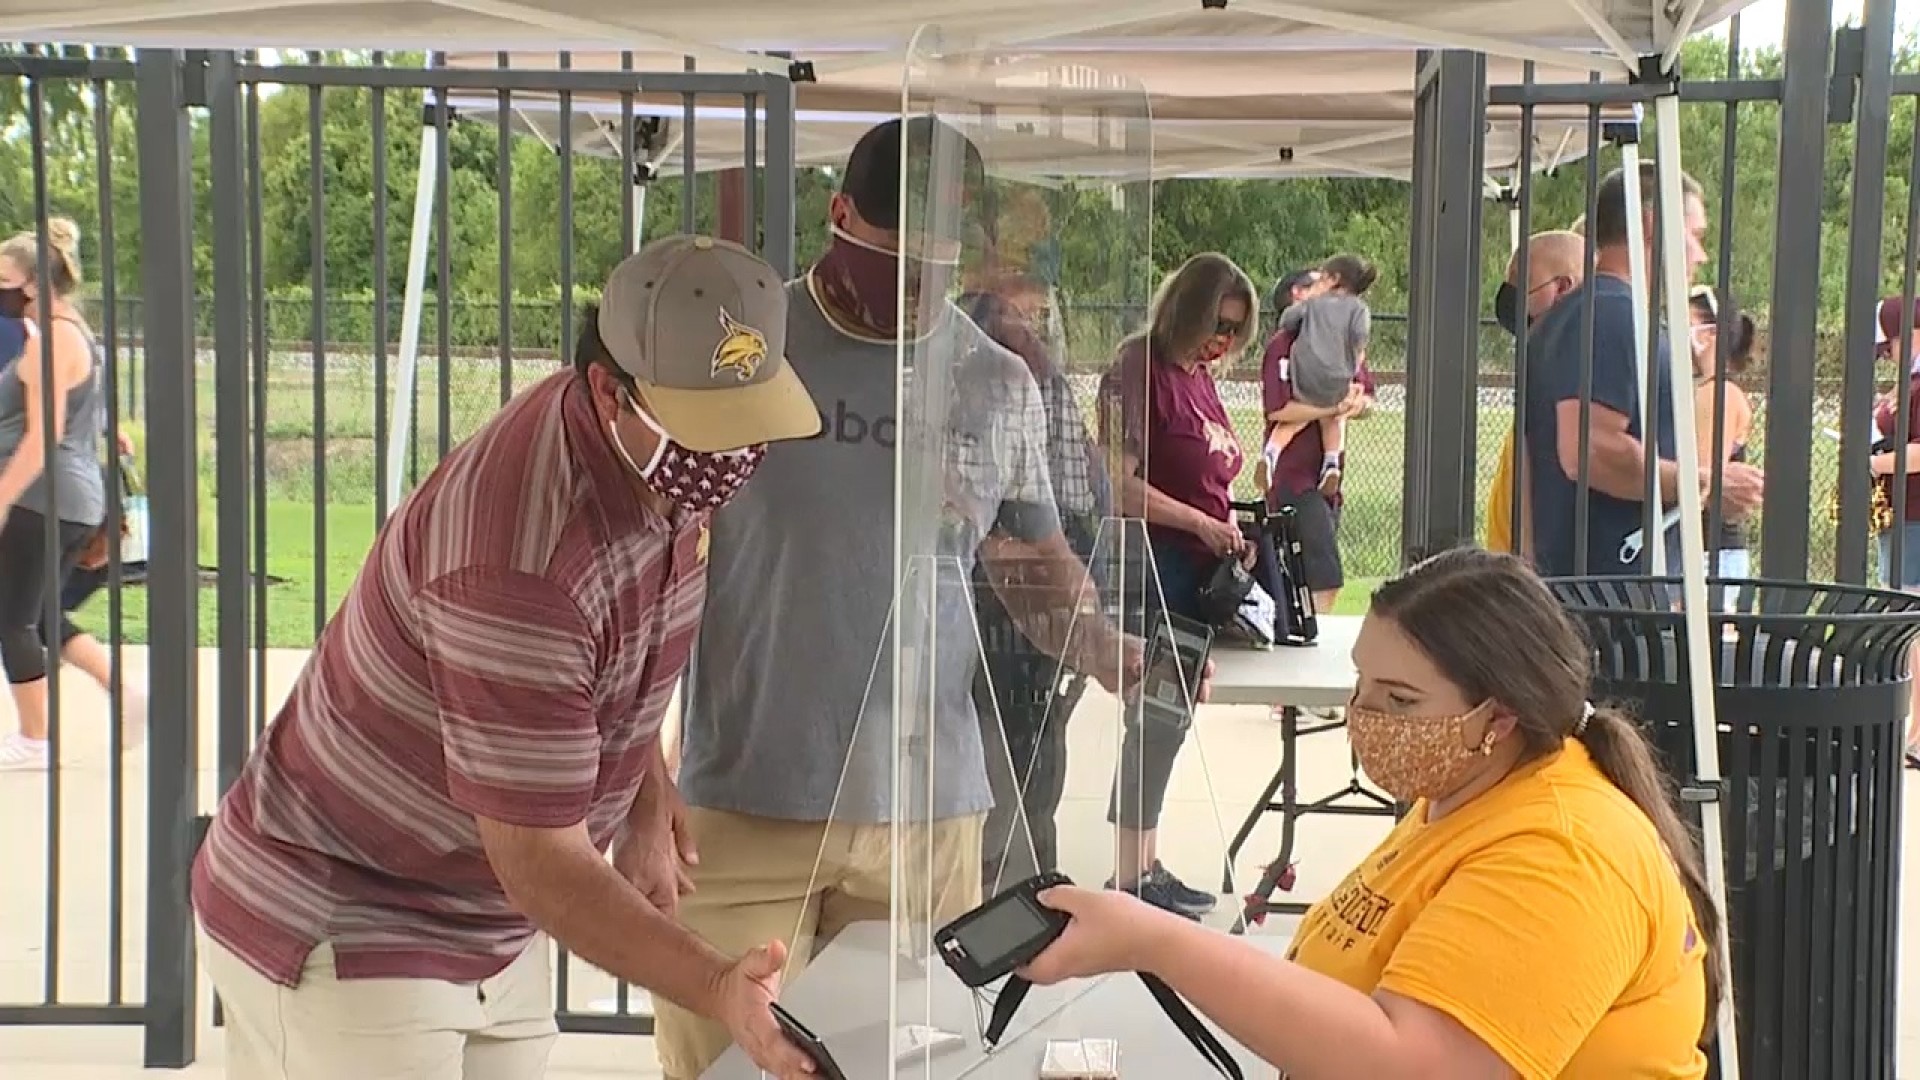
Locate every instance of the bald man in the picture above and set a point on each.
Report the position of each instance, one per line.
(1556, 264)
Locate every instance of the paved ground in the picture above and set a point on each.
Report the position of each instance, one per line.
(1225, 767)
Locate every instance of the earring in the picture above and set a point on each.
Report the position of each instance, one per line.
(1486, 744)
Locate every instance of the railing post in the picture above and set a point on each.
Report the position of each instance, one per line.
(228, 194)
(1796, 289)
(1865, 263)
(1443, 321)
(166, 272)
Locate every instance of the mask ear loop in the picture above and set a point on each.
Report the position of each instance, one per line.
(659, 443)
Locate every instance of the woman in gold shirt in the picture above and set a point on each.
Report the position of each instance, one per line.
(1540, 912)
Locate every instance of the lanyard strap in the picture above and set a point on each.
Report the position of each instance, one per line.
(1197, 1033)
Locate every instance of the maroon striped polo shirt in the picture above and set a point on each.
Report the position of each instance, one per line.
(508, 650)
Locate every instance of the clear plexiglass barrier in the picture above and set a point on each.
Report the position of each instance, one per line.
(1017, 719)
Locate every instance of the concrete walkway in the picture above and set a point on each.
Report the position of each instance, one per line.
(1222, 773)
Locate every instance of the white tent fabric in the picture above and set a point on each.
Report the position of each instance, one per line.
(1343, 112)
(1601, 34)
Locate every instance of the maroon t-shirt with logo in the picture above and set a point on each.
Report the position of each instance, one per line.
(1885, 419)
(1298, 470)
(1173, 420)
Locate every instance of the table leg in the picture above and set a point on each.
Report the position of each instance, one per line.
(1260, 809)
(1279, 871)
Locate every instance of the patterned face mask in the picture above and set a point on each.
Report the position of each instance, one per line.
(687, 478)
(1416, 757)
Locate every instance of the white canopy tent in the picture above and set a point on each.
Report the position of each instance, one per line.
(1599, 35)
(1343, 112)
(1607, 36)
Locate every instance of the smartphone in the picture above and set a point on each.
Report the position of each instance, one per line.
(823, 1064)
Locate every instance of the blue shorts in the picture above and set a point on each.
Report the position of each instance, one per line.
(1909, 576)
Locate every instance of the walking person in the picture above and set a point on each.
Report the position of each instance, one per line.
(65, 366)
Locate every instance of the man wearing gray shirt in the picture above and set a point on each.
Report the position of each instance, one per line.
(787, 765)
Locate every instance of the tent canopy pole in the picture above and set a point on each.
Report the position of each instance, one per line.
(1693, 556)
(407, 372)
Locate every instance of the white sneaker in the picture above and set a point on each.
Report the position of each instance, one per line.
(133, 718)
(21, 754)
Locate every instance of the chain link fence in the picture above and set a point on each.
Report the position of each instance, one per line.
(462, 379)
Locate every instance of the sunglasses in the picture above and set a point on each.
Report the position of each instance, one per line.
(1227, 328)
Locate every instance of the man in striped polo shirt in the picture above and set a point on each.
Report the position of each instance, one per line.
(480, 721)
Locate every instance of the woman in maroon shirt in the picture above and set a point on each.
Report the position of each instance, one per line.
(1161, 414)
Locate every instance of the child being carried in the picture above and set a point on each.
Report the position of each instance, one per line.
(1330, 330)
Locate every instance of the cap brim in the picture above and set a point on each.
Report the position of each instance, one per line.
(712, 421)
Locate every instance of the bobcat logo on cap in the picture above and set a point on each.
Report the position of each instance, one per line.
(741, 351)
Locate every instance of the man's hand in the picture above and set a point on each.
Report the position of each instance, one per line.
(1117, 663)
(1357, 403)
(656, 848)
(1742, 487)
(745, 1005)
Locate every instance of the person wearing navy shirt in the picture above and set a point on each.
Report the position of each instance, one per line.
(1616, 442)
(13, 339)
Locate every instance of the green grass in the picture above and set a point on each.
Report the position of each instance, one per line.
(337, 471)
(290, 604)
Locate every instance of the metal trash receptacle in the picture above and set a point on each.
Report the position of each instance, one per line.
(1811, 694)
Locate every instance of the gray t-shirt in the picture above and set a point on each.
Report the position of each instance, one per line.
(800, 582)
(78, 483)
(1331, 332)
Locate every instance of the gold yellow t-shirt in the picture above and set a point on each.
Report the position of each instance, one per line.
(1500, 502)
(1545, 916)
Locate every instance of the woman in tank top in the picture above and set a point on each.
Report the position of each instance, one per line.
(1717, 396)
(66, 486)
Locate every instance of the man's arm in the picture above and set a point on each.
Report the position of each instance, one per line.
(1051, 597)
(1616, 458)
(569, 890)
(512, 668)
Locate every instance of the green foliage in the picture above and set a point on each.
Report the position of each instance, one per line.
(1269, 227)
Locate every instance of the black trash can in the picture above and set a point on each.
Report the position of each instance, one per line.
(1811, 695)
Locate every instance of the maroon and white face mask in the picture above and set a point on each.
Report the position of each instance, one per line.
(694, 481)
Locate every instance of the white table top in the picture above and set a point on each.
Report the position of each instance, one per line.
(842, 998)
(1316, 676)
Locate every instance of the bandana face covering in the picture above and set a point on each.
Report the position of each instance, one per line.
(860, 282)
(693, 481)
(1415, 757)
(13, 302)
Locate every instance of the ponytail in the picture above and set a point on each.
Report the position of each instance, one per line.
(1622, 752)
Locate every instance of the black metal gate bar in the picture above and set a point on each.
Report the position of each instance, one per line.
(1872, 114)
(1443, 354)
(166, 216)
(232, 364)
(1796, 282)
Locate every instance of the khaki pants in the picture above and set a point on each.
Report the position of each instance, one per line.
(385, 1029)
(757, 882)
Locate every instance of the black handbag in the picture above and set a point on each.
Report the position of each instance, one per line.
(1225, 590)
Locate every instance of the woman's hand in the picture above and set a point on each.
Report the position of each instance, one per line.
(1111, 931)
(1223, 538)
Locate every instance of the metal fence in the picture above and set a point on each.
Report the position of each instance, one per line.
(273, 420)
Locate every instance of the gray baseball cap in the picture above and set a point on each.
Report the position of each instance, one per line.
(701, 325)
